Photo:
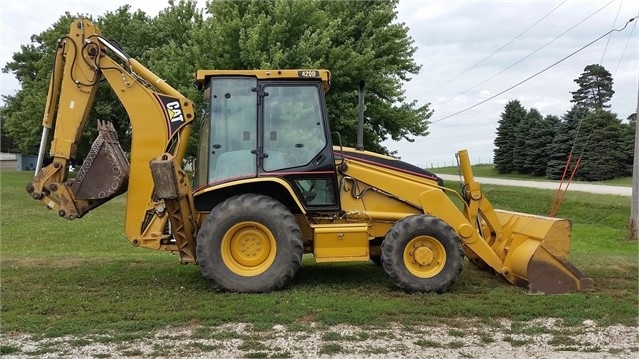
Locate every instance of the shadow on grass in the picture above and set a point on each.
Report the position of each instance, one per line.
(340, 275)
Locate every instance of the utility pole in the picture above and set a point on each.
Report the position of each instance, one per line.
(633, 226)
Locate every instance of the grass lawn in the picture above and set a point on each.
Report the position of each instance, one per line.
(487, 170)
(81, 277)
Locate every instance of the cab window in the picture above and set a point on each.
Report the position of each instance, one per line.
(293, 132)
(233, 134)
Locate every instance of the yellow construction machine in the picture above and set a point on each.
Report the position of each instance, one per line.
(269, 184)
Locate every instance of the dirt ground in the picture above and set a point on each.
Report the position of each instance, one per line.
(545, 339)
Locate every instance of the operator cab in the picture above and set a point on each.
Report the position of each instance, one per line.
(264, 124)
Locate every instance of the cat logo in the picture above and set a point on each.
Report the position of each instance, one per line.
(175, 111)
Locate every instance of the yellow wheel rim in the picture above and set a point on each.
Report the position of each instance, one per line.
(424, 257)
(248, 248)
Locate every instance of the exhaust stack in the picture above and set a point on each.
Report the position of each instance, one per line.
(360, 117)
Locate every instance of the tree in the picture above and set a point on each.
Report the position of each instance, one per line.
(627, 142)
(7, 145)
(174, 55)
(513, 113)
(603, 153)
(355, 40)
(138, 35)
(524, 133)
(22, 113)
(633, 225)
(595, 88)
(539, 143)
(563, 142)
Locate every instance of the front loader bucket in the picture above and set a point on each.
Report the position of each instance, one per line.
(105, 171)
(535, 252)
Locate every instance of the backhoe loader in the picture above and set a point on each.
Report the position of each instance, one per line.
(269, 185)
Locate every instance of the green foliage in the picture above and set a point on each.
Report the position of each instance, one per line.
(627, 144)
(7, 145)
(21, 117)
(355, 40)
(525, 132)
(539, 144)
(595, 138)
(595, 88)
(174, 56)
(513, 114)
(604, 152)
(563, 142)
(22, 113)
(8, 349)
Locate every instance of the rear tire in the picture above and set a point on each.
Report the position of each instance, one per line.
(422, 253)
(249, 243)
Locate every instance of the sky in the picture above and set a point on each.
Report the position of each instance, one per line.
(470, 52)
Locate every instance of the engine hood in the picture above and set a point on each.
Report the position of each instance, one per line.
(385, 161)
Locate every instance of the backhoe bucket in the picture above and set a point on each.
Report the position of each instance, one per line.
(105, 171)
(535, 252)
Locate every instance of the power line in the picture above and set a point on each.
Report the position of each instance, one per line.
(559, 196)
(536, 74)
(496, 51)
(613, 26)
(624, 49)
(527, 56)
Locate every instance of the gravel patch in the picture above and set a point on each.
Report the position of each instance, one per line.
(547, 339)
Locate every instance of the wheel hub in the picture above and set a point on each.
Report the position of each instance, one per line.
(248, 248)
(424, 256)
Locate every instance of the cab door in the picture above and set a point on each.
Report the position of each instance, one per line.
(295, 142)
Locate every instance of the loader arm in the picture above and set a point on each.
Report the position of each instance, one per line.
(160, 120)
(524, 249)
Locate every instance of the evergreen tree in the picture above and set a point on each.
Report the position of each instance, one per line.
(562, 143)
(595, 88)
(505, 141)
(628, 143)
(539, 143)
(524, 132)
(603, 153)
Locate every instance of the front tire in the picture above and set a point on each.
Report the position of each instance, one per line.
(422, 253)
(249, 243)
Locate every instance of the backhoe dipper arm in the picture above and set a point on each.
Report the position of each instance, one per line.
(160, 120)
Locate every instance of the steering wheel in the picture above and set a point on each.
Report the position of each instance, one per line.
(308, 194)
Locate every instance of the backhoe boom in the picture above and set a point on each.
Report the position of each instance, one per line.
(160, 120)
